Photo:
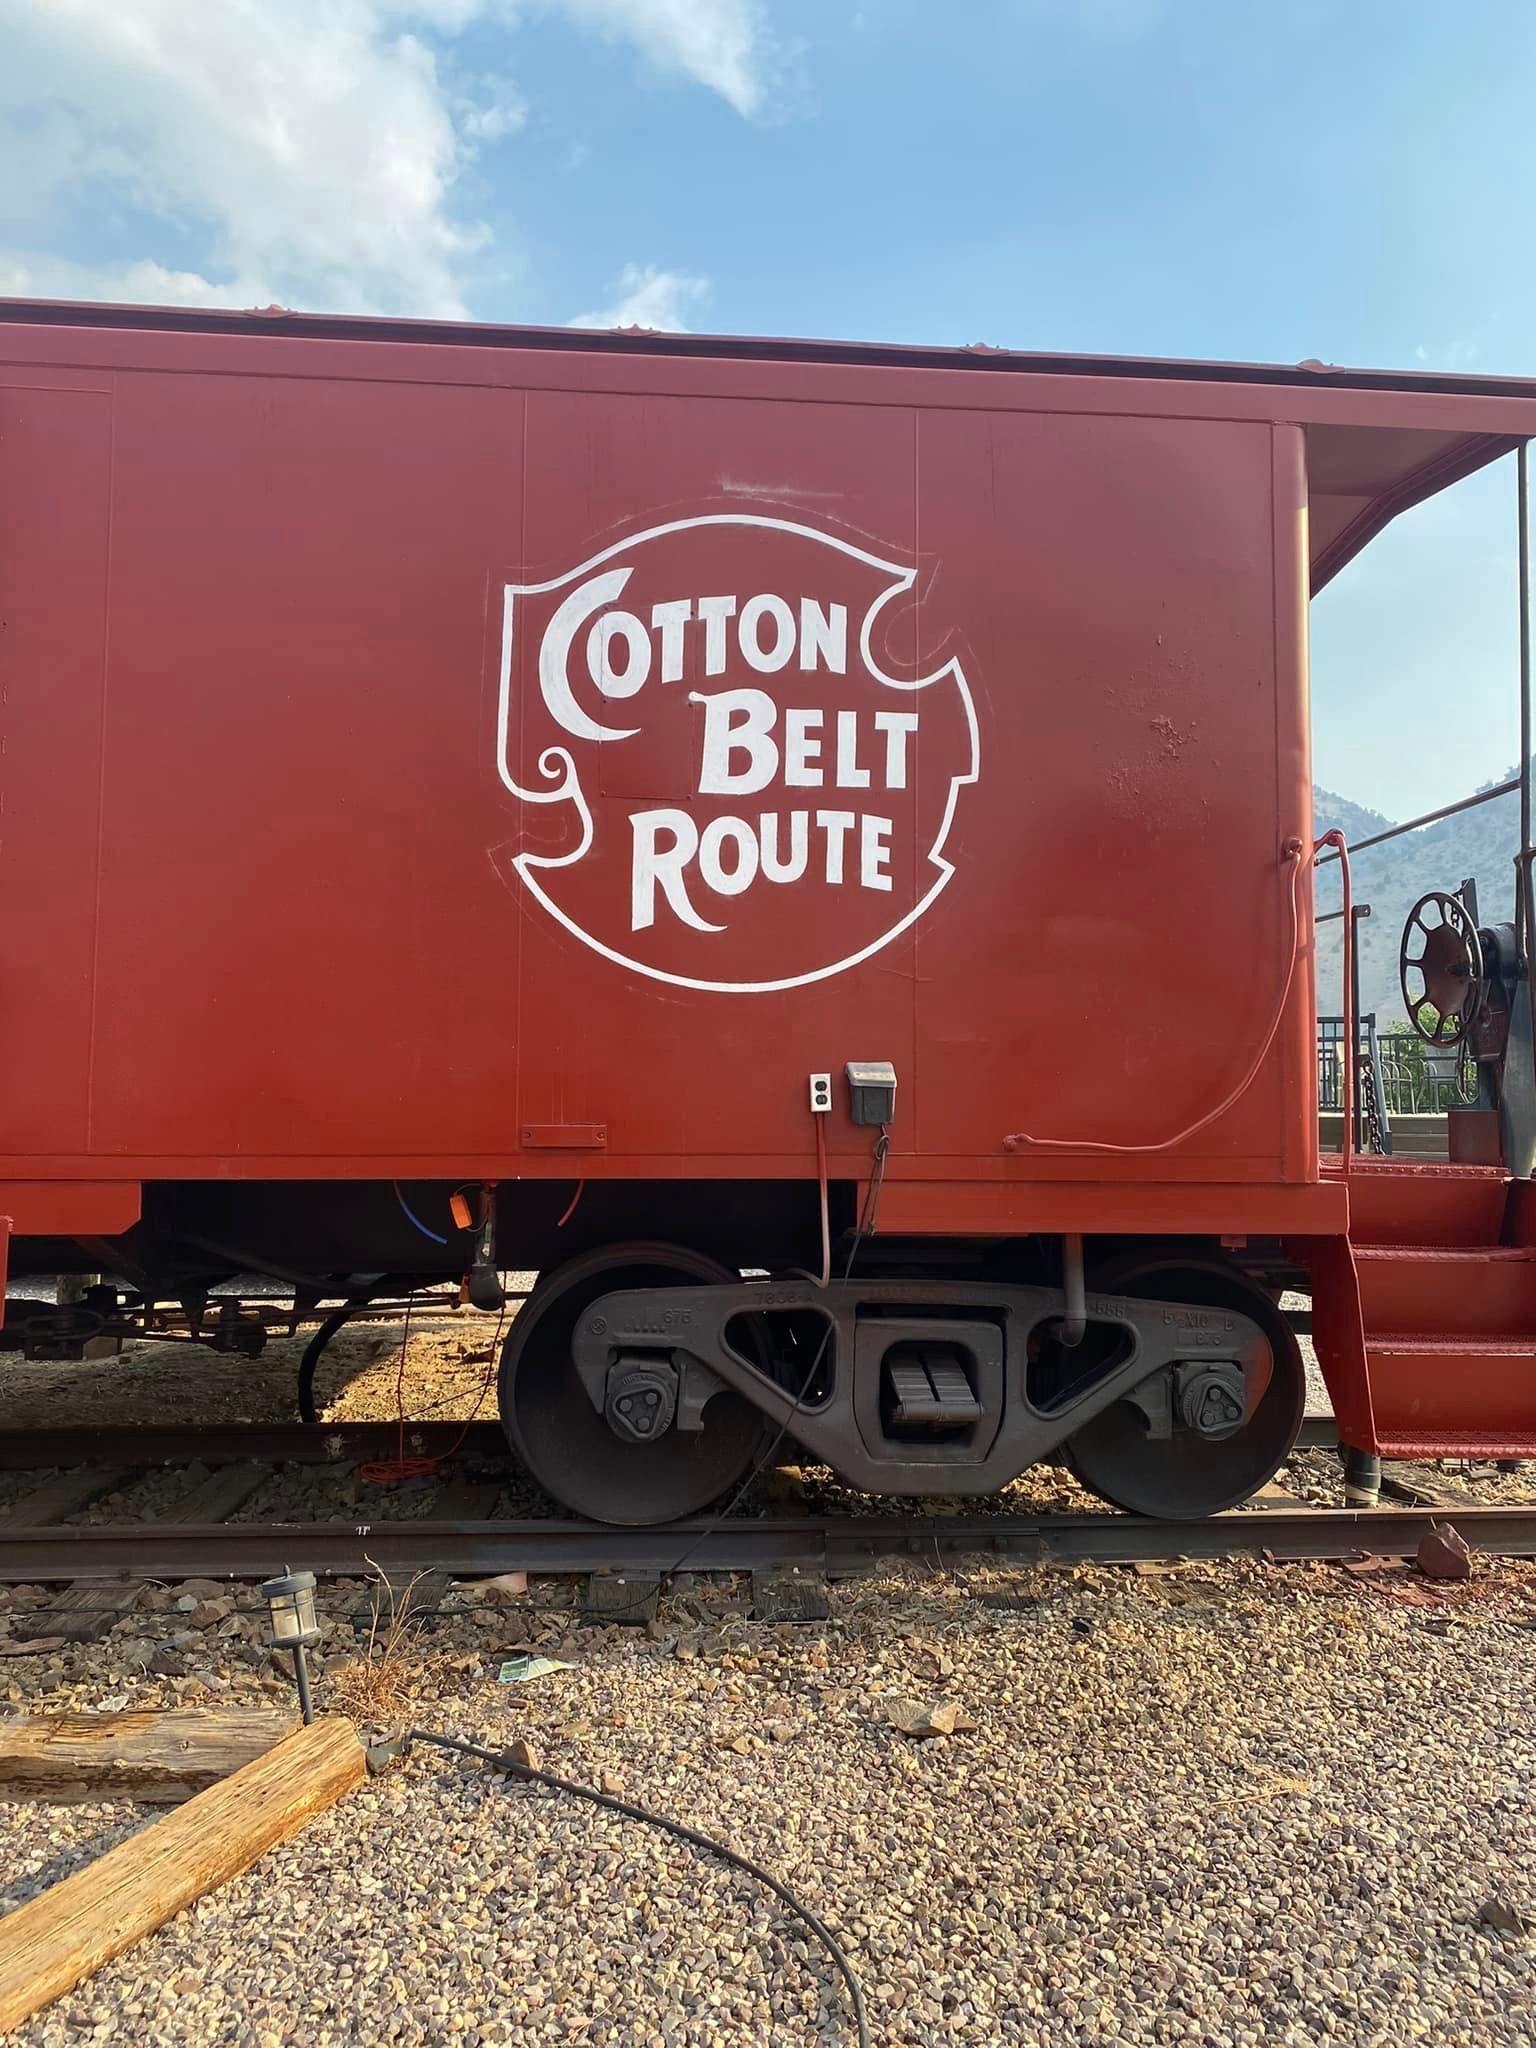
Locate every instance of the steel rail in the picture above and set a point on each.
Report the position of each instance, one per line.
(133, 1448)
(845, 1546)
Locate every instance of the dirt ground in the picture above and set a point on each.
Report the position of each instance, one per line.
(443, 1367)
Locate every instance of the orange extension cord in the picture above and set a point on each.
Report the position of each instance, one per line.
(390, 1471)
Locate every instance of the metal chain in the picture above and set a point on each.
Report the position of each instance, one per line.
(1375, 1138)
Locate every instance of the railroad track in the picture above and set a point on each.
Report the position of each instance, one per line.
(193, 1535)
(836, 1546)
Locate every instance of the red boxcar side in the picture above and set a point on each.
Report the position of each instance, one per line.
(265, 902)
(467, 756)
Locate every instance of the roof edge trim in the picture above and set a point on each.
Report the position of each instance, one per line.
(278, 322)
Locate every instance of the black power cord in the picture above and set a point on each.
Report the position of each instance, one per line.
(505, 1762)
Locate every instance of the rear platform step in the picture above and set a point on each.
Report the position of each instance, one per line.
(1455, 1291)
(1426, 1327)
(1476, 1446)
(1433, 1395)
(1412, 1202)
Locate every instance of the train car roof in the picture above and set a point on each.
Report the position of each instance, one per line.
(1409, 435)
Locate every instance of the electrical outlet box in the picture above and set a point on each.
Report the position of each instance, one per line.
(871, 1091)
(821, 1094)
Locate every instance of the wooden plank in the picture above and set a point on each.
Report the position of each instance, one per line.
(82, 1612)
(161, 1758)
(59, 1496)
(466, 1500)
(48, 1945)
(1275, 1494)
(220, 1494)
(88, 1608)
(790, 1595)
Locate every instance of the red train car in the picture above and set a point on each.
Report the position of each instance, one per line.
(809, 845)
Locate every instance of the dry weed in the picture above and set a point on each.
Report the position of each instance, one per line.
(376, 1686)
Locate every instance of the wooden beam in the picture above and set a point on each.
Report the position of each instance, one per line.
(792, 1595)
(161, 1758)
(1419, 1487)
(55, 1940)
(61, 1495)
(627, 1597)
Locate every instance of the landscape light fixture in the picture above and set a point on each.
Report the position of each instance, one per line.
(291, 1604)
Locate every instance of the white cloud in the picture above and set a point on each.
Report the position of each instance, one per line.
(141, 283)
(724, 44)
(495, 110)
(307, 149)
(308, 152)
(649, 298)
(1463, 353)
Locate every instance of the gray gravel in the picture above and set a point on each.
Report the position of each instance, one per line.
(43, 1844)
(1232, 1807)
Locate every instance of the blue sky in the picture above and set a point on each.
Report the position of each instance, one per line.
(1221, 178)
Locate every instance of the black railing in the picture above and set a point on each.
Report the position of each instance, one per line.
(1398, 1075)
(1416, 1080)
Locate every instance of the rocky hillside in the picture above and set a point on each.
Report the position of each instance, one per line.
(1480, 843)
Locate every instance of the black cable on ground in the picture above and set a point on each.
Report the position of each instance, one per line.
(504, 1762)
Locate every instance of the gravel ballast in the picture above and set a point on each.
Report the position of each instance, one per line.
(1226, 1805)
(1229, 1806)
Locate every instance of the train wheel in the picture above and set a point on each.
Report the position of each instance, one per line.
(1185, 1476)
(569, 1448)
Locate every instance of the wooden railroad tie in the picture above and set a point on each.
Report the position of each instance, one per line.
(401, 1595)
(62, 1495)
(57, 1939)
(628, 1598)
(789, 1594)
(88, 1608)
